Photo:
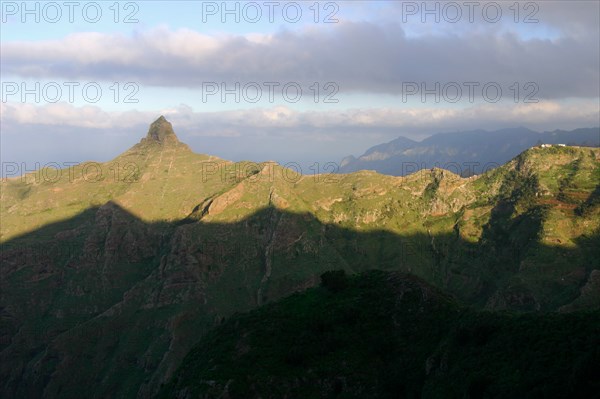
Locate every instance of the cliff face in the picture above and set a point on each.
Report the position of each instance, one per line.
(161, 134)
(107, 282)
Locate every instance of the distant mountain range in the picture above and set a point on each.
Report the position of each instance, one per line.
(463, 153)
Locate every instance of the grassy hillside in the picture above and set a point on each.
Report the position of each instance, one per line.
(153, 180)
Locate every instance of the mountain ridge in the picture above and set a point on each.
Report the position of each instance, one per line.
(131, 269)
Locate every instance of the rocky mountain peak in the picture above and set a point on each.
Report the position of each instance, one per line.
(160, 135)
(161, 131)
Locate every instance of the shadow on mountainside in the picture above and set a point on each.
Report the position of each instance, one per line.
(390, 335)
(108, 302)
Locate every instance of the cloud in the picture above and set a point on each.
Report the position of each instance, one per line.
(359, 56)
(63, 114)
(281, 121)
(572, 18)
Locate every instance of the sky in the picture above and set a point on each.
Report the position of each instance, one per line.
(305, 81)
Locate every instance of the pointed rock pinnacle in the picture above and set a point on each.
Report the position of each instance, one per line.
(161, 131)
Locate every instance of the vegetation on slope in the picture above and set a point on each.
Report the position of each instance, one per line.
(103, 278)
(390, 335)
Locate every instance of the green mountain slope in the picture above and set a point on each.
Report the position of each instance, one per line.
(389, 335)
(157, 179)
(108, 282)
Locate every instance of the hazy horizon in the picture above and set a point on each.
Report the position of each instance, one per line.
(288, 81)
